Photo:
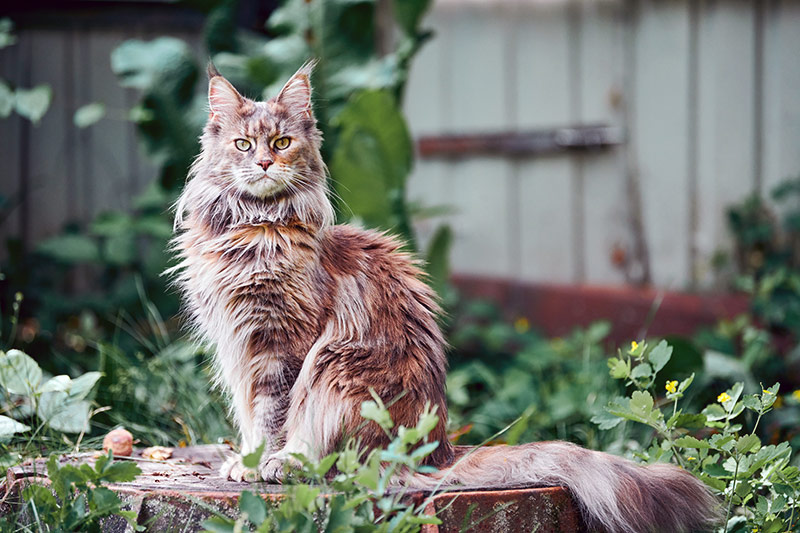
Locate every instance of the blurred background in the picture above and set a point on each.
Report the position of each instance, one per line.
(577, 175)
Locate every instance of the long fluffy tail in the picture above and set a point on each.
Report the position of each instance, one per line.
(612, 493)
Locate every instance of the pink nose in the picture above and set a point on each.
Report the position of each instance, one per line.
(264, 163)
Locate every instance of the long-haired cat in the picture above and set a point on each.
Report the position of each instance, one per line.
(307, 316)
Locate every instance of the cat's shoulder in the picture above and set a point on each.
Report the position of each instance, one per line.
(345, 244)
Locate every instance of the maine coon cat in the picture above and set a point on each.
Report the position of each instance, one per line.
(307, 316)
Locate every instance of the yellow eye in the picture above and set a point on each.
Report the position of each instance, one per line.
(243, 144)
(282, 143)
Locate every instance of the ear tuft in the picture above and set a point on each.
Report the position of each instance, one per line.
(222, 97)
(296, 94)
(211, 70)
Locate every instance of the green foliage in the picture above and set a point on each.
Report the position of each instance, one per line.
(349, 490)
(501, 372)
(30, 103)
(59, 403)
(76, 500)
(760, 486)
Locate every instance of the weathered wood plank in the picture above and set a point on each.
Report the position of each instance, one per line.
(659, 130)
(781, 89)
(725, 125)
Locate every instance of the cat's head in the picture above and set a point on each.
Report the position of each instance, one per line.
(263, 149)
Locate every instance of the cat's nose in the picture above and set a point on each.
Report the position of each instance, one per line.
(264, 163)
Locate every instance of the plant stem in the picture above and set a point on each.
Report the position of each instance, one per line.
(733, 491)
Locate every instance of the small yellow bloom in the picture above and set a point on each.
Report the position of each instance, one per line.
(522, 325)
(671, 386)
(724, 397)
(690, 458)
(796, 395)
(765, 391)
(634, 345)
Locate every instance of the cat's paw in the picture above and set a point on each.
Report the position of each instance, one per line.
(234, 469)
(273, 469)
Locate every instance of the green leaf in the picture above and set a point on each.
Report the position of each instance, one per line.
(70, 248)
(254, 506)
(9, 427)
(372, 160)
(606, 420)
(371, 411)
(660, 356)
(219, 524)
(33, 103)
(7, 37)
(82, 385)
(642, 404)
(252, 460)
(103, 500)
(748, 443)
(62, 413)
(19, 373)
(409, 13)
(148, 65)
(691, 442)
(438, 258)
(119, 472)
(619, 369)
(56, 383)
(642, 371)
(89, 114)
(689, 421)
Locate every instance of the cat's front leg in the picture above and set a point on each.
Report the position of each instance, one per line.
(260, 418)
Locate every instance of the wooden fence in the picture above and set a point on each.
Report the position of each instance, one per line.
(705, 96)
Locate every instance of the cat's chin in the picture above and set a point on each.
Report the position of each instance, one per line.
(264, 188)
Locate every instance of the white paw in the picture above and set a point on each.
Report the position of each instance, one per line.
(274, 468)
(233, 469)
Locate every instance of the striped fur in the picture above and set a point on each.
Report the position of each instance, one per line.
(306, 317)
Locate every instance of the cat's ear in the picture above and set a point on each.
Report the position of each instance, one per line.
(222, 97)
(296, 94)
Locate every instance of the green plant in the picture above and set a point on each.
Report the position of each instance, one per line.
(75, 500)
(349, 490)
(760, 488)
(32, 103)
(501, 372)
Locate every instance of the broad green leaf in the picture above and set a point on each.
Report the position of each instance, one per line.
(642, 371)
(147, 65)
(689, 421)
(642, 404)
(19, 373)
(82, 385)
(254, 506)
(219, 524)
(62, 413)
(372, 160)
(119, 472)
(606, 420)
(9, 426)
(57, 383)
(691, 442)
(33, 103)
(103, 500)
(748, 443)
(660, 356)
(89, 114)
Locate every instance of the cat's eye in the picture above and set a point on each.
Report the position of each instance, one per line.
(282, 143)
(243, 144)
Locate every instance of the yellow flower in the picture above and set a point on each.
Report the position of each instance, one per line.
(765, 391)
(671, 386)
(724, 397)
(796, 395)
(634, 345)
(522, 325)
(690, 458)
